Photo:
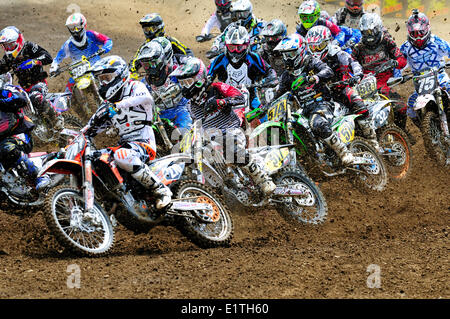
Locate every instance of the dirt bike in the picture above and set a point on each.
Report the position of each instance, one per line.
(85, 96)
(430, 112)
(19, 190)
(286, 120)
(44, 130)
(77, 216)
(397, 151)
(296, 197)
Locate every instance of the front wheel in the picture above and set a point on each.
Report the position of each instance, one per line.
(434, 139)
(205, 235)
(84, 233)
(310, 209)
(398, 153)
(372, 176)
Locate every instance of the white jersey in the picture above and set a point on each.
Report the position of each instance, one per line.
(134, 116)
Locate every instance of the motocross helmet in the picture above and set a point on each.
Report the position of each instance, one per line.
(309, 13)
(419, 31)
(242, 12)
(12, 41)
(293, 48)
(319, 40)
(76, 23)
(153, 59)
(355, 7)
(112, 73)
(273, 33)
(152, 25)
(191, 76)
(237, 42)
(371, 28)
(223, 6)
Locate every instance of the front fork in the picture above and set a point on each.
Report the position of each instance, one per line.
(443, 116)
(88, 188)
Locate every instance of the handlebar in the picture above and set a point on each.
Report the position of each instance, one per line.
(67, 67)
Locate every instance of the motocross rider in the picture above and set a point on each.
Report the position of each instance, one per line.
(213, 103)
(309, 13)
(424, 50)
(26, 59)
(242, 15)
(351, 14)
(377, 53)
(299, 61)
(82, 42)
(157, 61)
(320, 45)
(272, 34)
(239, 67)
(131, 113)
(15, 134)
(153, 27)
(220, 19)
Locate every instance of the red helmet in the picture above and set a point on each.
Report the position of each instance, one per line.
(354, 6)
(11, 39)
(419, 31)
(223, 5)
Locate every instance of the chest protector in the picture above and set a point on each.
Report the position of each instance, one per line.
(224, 20)
(238, 76)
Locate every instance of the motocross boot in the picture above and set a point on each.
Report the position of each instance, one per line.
(341, 149)
(261, 178)
(149, 180)
(370, 134)
(27, 169)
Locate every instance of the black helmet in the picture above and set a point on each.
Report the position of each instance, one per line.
(371, 28)
(223, 6)
(273, 33)
(153, 26)
(152, 59)
(191, 76)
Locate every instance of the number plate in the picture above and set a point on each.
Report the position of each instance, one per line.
(278, 110)
(346, 131)
(425, 84)
(80, 70)
(367, 87)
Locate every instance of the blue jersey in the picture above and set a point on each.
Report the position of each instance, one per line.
(432, 55)
(348, 36)
(94, 41)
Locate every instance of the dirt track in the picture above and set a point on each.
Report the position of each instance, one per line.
(404, 230)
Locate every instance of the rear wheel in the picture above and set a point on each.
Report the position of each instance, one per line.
(398, 153)
(72, 123)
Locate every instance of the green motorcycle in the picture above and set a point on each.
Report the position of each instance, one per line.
(287, 123)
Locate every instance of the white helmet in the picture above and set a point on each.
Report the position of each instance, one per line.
(112, 73)
(319, 41)
(76, 23)
(242, 10)
(237, 42)
(293, 49)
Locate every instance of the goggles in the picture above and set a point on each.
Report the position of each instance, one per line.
(187, 83)
(418, 34)
(238, 48)
(318, 47)
(308, 18)
(273, 39)
(75, 28)
(106, 78)
(240, 15)
(149, 64)
(9, 46)
(370, 32)
(290, 55)
(152, 28)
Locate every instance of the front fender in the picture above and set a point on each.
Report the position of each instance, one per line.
(61, 166)
(264, 126)
(422, 101)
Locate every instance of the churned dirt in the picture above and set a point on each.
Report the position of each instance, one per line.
(403, 230)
